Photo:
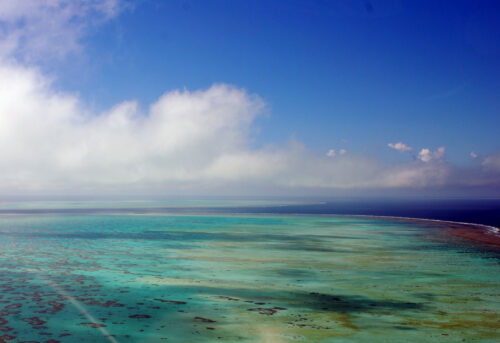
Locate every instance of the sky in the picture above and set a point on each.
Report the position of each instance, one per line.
(331, 98)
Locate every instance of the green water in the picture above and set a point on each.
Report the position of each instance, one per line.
(228, 278)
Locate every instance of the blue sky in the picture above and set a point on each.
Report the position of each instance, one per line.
(425, 72)
(349, 77)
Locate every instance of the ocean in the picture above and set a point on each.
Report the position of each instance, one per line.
(249, 271)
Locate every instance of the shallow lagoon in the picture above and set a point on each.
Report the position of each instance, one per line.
(206, 278)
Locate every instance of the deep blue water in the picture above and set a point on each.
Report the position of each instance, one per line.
(479, 211)
(483, 211)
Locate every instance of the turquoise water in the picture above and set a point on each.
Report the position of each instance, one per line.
(248, 278)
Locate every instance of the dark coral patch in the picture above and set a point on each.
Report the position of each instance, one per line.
(267, 311)
(5, 338)
(228, 298)
(176, 302)
(93, 325)
(139, 316)
(262, 310)
(205, 320)
(94, 302)
(56, 307)
(34, 321)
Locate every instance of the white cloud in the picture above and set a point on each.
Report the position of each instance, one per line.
(473, 154)
(426, 155)
(331, 153)
(399, 146)
(34, 29)
(49, 138)
(185, 141)
(50, 141)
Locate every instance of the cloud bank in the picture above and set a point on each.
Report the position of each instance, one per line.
(49, 140)
(200, 140)
(196, 142)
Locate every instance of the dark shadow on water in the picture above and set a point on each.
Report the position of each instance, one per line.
(343, 303)
(405, 328)
(296, 273)
(318, 302)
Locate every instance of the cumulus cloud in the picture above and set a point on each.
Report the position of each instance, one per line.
(399, 146)
(333, 153)
(50, 140)
(187, 140)
(198, 141)
(426, 155)
(34, 29)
